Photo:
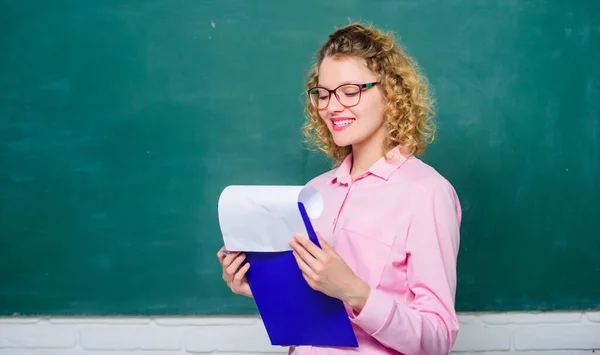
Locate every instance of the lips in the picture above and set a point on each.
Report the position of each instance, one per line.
(341, 123)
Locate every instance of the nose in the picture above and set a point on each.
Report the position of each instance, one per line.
(335, 105)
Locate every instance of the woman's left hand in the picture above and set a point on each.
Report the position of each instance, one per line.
(324, 270)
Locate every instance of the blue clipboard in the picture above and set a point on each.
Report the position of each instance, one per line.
(292, 312)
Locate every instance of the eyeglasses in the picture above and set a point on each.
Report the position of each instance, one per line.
(347, 94)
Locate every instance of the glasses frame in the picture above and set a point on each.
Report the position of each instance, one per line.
(360, 87)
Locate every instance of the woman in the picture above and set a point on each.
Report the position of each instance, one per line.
(390, 233)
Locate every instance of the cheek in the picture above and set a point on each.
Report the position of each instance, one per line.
(375, 112)
(323, 115)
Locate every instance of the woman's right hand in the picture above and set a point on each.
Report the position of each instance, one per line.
(233, 274)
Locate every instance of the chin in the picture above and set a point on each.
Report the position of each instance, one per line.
(343, 141)
(342, 145)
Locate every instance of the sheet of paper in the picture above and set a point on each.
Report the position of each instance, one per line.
(263, 217)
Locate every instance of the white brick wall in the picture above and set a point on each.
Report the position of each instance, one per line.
(553, 333)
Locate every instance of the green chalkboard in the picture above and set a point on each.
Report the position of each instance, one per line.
(121, 122)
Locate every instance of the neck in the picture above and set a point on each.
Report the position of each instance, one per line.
(364, 155)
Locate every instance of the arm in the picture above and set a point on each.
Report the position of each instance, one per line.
(428, 324)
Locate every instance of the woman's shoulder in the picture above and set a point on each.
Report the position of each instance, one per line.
(425, 186)
(323, 178)
(421, 175)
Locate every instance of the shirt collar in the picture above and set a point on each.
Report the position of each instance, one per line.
(383, 168)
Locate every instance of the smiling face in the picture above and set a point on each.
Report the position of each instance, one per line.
(397, 112)
(360, 125)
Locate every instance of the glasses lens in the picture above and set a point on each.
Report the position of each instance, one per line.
(319, 97)
(349, 94)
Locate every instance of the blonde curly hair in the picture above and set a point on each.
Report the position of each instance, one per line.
(408, 108)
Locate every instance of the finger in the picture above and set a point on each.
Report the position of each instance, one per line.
(306, 257)
(304, 267)
(309, 246)
(310, 282)
(221, 254)
(235, 264)
(324, 245)
(229, 258)
(239, 276)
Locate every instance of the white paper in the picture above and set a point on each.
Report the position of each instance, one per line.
(264, 218)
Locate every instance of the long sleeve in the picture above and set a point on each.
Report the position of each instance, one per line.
(426, 324)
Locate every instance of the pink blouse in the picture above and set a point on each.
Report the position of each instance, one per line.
(397, 227)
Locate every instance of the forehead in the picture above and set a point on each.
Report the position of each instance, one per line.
(337, 71)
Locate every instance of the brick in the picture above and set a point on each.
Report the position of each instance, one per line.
(18, 320)
(558, 337)
(593, 316)
(112, 352)
(118, 337)
(204, 321)
(482, 338)
(248, 339)
(39, 335)
(545, 333)
(464, 319)
(85, 352)
(532, 318)
(495, 319)
(100, 320)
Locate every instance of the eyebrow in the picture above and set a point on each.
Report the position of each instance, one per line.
(342, 83)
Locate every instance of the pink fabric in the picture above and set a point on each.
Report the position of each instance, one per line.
(397, 227)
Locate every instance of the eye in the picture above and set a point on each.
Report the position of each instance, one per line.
(350, 90)
(320, 94)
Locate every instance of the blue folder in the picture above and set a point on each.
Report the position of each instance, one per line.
(292, 312)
